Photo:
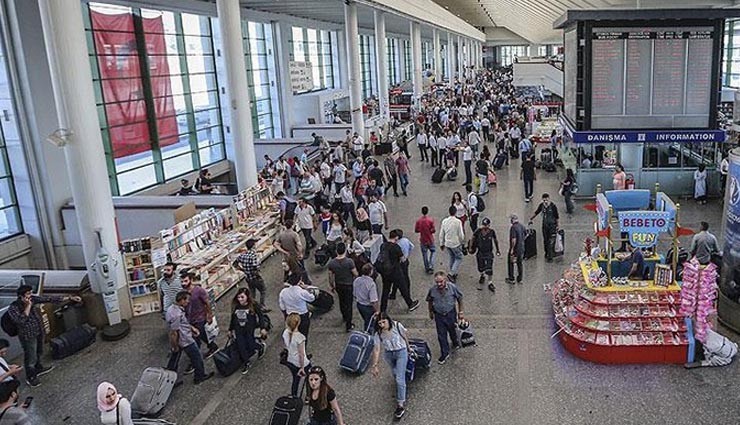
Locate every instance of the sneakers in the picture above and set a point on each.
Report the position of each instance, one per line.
(414, 305)
(246, 367)
(33, 382)
(509, 280)
(189, 371)
(261, 349)
(400, 411)
(350, 328)
(211, 352)
(443, 359)
(491, 287)
(44, 370)
(481, 279)
(208, 376)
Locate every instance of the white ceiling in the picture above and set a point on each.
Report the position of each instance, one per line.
(532, 19)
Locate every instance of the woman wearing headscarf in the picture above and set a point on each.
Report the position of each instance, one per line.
(114, 408)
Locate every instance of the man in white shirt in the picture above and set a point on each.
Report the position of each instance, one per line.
(358, 143)
(305, 217)
(451, 239)
(433, 150)
(525, 148)
(295, 299)
(473, 141)
(340, 175)
(339, 153)
(467, 154)
(485, 126)
(325, 174)
(421, 142)
(378, 214)
(515, 133)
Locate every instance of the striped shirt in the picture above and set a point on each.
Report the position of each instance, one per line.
(169, 289)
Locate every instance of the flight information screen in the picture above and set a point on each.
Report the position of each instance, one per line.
(657, 77)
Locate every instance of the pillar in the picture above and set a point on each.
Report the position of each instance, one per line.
(437, 62)
(245, 163)
(353, 59)
(381, 60)
(80, 136)
(416, 60)
(450, 60)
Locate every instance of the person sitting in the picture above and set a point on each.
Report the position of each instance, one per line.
(185, 188)
(11, 412)
(716, 349)
(637, 271)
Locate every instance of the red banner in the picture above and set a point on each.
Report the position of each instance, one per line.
(118, 60)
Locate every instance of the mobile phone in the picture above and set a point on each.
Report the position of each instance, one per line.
(27, 403)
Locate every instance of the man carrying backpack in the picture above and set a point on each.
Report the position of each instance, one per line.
(482, 246)
(388, 264)
(23, 319)
(550, 219)
(475, 206)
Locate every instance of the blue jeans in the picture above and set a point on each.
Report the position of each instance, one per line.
(446, 325)
(427, 253)
(33, 349)
(483, 184)
(397, 361)
(456, 256)
(196, 359)
(404, 182)
(366, 311)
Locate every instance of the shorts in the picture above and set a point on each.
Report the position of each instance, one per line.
(485, 264)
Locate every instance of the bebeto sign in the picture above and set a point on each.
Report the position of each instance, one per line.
(690, 136)
(644, 227)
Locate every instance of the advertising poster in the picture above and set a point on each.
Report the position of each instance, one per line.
(731, 249)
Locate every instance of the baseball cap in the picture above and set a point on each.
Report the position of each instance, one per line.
(486, 221)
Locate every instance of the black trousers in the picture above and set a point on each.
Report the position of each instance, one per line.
(405, 270)
(395, 278)
(423, 153)
(310, 241)
(392, 183)
(344, 293)
(305, 325)
(528, 187)
(468, 172)
(434, 153)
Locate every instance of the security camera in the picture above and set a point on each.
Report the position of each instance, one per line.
(59, 137)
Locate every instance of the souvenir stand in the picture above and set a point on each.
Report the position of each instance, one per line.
(605, 317)
(205, 244)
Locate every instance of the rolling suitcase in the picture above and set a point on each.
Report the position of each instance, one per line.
(227, 359)
(287, 410)
(72, 341)
(498, 162)
(323, 303)
(322, 255)
(514, 152)
(530, 244)
(153, 391)
(357, 352)
(411, 367)
(438, 175)
(422, 351)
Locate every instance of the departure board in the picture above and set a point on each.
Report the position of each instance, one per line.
(657, 77)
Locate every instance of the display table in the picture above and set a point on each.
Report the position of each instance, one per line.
(634, 323)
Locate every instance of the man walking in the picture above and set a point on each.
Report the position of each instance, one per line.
(199, 312)
(366, 293)
(390, 170)
(249, 263)
(25, 314)
(169, 285)
(378, 214)
(452, 238)
(422, 141)
(342, 273)
(482, 245)
(527, 174)
(389, 266)
(467, 162)
(517, 232)
(406, 248)
(481, 168)
(550, 219)
(445, 308)
(425, 228)
(703, 245)
(472, 208)
(182, 335)
(402, 166)
(295, 299)
(305, 215)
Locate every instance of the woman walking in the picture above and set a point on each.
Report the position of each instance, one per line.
(295, 351)
(700, 184)
(392, 336)
(460, 207)
(246, 317)
(322, 399)
(568, 185)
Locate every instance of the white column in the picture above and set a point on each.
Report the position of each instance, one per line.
(245, 163)
(460, 58)
(450, 60)
(381, 60)
(437, 62)
(79, 132)
(416, 60)
(353, 59)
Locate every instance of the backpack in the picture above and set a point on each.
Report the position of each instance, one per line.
(479, 204)
(8, 325)
(382, 263)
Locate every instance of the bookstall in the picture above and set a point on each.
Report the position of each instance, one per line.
(205, 244)
(605, 317)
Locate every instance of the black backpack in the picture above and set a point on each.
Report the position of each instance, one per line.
(8, 325)
(382, 265)
(479, 204)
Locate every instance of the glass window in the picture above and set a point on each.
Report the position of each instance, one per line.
(391, 50)
(407, 59)
(315, 47)
(10, 219)
(367, 65)
(260, 67)
(150, 112)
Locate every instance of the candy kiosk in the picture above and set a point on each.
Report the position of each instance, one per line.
(603, 315)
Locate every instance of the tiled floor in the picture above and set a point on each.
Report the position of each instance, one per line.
(516, 375)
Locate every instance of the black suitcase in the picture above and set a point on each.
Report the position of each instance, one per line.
(549, 167)
(287, 411)
(498, 162)
(438, 175)
(322, 255)
(72, 341)
(514, 152)
(422, 351)
(323, 303)
(227, 359)
(530, 244)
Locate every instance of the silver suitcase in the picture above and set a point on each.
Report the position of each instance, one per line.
(153, 391)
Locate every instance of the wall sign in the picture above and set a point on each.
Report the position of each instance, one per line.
(301, 76)
(644, 227)
(666, 136)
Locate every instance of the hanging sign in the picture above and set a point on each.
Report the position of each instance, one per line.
(301, 76)
(644, 227)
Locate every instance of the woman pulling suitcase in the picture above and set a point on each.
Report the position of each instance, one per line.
(322, 399)
(395, 343)
(246, 317)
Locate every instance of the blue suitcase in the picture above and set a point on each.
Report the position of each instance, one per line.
(357, 353)
(411, 367)
(423, 355)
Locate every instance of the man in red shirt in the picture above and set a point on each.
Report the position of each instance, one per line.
(425, 228)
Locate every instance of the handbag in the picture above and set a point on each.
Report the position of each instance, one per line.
(284, 356)
(491, 177)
